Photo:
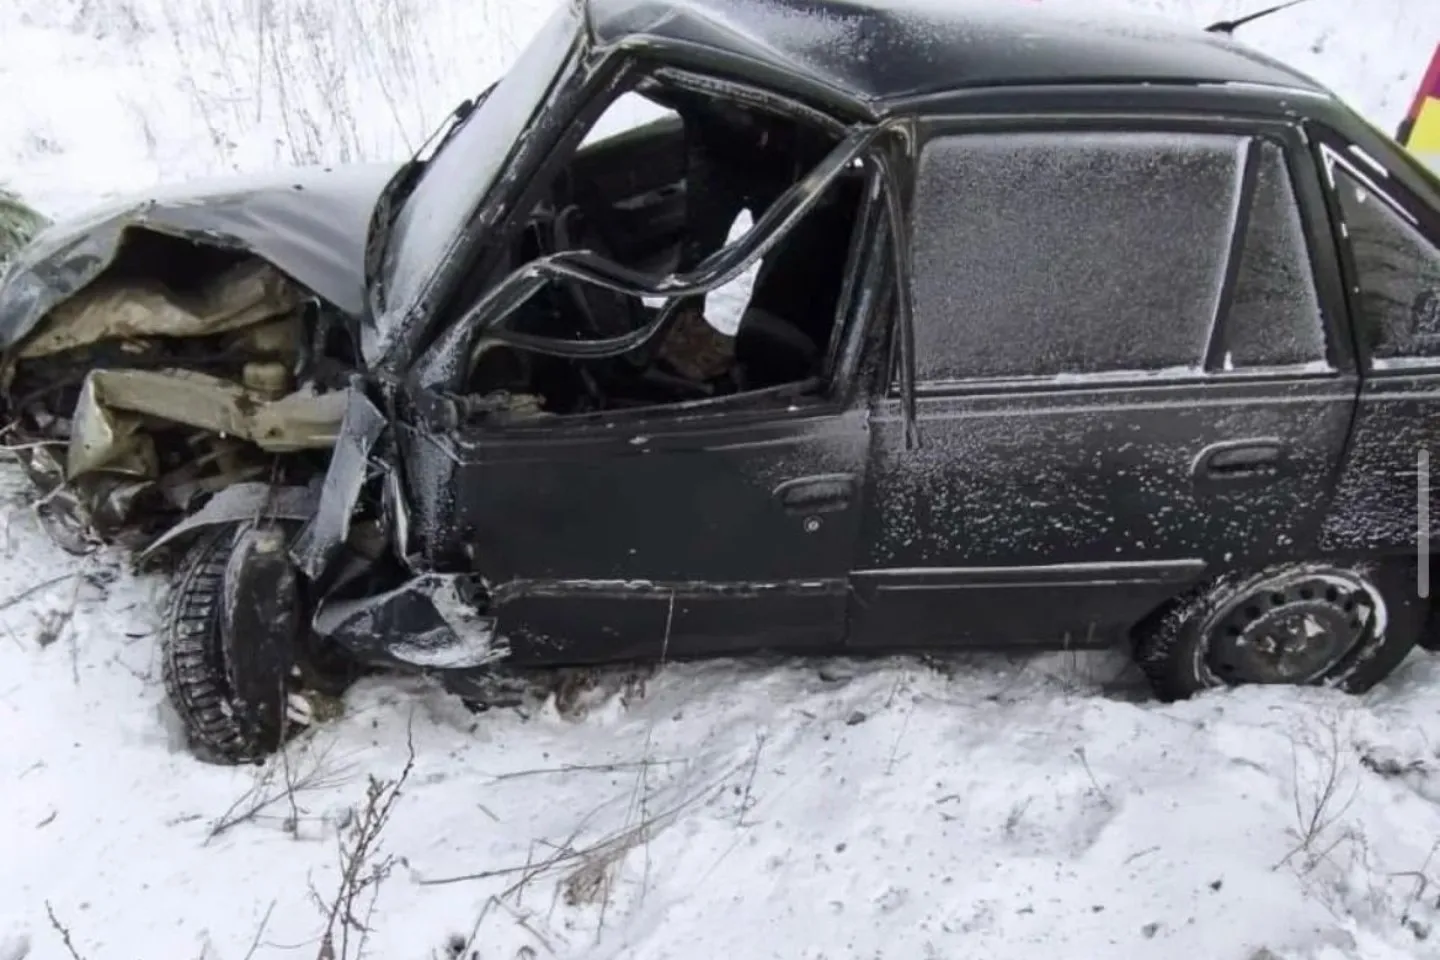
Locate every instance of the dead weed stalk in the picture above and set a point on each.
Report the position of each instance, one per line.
(281, 780)
(362, 869)
(1322, 795)
(63, 931)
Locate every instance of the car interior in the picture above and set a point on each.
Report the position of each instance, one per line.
(627, 197)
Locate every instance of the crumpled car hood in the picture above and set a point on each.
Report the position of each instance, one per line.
(309, 222)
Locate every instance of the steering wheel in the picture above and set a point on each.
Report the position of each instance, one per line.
(605, 312)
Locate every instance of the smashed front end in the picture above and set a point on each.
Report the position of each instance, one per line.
(136, 398)
(159, 351)
(196, 363)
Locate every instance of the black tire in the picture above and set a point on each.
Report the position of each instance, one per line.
(1209, 638)
(221, 727)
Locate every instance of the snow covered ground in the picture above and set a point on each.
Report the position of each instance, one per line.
(975, 807)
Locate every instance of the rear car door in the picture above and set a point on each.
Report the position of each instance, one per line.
(1128, 372)
(1390, 237)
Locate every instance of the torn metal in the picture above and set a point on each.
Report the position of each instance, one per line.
(163, 392)
(243, 502)
(115, 404)
(246, 295)
(310, 223)
(427, 621)
(324, 536)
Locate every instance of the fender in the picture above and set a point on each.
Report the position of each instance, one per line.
(240, 502)
(328, 526)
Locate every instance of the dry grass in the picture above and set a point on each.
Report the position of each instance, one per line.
(1325, 784)
(363, 868)
(256, 84)
(318, 82)
(302, 767)
(18, 223)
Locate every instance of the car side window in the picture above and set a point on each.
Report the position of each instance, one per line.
(1054, 253)
(1274, 318)
(1397, 271)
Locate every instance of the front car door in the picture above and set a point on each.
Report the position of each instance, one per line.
(683, 533)
(704, 527)
(707, 527)
(1127, 372)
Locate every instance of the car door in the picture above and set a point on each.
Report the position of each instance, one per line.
(707, 527)
(1126, 375)
(1390, 235)
(683, 533)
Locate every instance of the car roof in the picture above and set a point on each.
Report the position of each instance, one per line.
(882, 51)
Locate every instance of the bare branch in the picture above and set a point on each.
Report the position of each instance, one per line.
(260, 932)
(362, 871)
(64, 932)
(313, 774)
(585, 768)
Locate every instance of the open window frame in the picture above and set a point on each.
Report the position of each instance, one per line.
(834, 386)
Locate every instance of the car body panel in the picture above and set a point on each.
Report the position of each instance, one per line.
(1074, 511)
(107, 433)
(309, 222)
(725, 532)
(877, 52)
(1397, 419)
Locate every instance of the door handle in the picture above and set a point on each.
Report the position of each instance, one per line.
(1240, 458)
(824, 493)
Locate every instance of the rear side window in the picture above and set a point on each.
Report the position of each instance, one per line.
(1397, 271)
(1274, 318)
(1048, 253)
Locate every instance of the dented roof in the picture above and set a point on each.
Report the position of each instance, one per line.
(888, 50)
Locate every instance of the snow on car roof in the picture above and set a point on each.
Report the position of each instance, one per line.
(878, 51)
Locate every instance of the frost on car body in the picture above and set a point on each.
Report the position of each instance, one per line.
(1056, 331)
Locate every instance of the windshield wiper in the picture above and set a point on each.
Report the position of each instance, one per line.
(400, 186)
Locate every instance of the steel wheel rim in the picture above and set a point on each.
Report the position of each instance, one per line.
(1293, 628)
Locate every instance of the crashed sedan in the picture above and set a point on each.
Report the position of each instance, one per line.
(1059, 334)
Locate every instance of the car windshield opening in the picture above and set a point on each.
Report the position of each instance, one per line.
(458, 178)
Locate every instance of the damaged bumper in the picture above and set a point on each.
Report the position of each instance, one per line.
(430, 621)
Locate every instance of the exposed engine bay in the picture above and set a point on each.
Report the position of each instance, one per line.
(181, 370)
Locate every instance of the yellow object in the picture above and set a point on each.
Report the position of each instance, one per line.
(1420, 131)
(1425, 134)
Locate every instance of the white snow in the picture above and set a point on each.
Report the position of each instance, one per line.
(972, 806)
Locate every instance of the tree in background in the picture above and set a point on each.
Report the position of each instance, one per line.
(18, 223)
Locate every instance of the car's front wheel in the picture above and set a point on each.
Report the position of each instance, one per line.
(230, 643)
(1306, 624)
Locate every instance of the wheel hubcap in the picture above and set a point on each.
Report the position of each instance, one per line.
(1290, 629)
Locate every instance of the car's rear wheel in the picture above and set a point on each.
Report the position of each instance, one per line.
(229, 646)
(1302, 624)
